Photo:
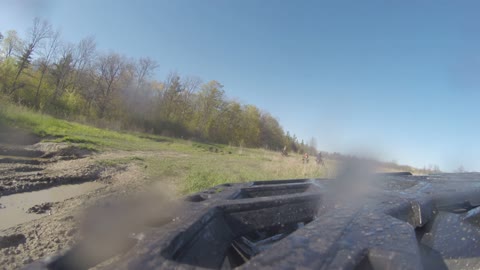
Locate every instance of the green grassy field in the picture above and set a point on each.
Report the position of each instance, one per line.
(188, 166)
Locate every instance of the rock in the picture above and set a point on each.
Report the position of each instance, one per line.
(2, 206)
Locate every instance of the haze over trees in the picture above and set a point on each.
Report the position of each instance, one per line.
(75, 81)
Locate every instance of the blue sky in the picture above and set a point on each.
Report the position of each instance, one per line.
(399, 78)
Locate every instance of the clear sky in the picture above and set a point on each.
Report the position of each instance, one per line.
(400, 78)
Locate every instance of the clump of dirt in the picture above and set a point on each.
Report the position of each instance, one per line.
(41, 208)
(12, 240)
(61, 151)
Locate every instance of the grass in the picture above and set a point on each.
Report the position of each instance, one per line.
(120, 161)
(198, 171)
(187, 166)
(57, 130)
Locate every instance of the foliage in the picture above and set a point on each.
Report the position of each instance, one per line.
(75, 81)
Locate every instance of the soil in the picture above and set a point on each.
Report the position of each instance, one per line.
(28, 166)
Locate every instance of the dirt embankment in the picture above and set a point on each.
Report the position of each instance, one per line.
(28, 167)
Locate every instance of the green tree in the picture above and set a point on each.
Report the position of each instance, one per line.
(271, 133)
(251, 126)
(209, 104)
(11, 44)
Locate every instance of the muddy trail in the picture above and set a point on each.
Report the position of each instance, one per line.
(43, 165)
(44, 190)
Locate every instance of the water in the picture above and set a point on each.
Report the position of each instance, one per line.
(16, 205)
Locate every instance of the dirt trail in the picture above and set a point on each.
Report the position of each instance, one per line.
(52, 184)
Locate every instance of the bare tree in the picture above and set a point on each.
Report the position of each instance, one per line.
(49, 50)
(84, 75)
(62, 70)
(190, 85)
(85, 52)
(84, 55)
(40, 31)
(144, 69)
(110, 68)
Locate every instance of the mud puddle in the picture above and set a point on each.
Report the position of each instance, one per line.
(13, 208)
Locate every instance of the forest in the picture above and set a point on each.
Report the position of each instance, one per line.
(77, 82)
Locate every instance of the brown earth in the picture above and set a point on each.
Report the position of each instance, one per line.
(39, 166)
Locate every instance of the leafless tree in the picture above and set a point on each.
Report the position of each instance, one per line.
(62, 70)
(85, 52)
(83, 57)
(41, 30)
(190, 86)
(49, 50)
(110, 68)
(144, 69)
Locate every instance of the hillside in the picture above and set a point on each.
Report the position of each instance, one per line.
(189, 166)
(41, 157)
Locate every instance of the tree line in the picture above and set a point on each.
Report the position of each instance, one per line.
(76, 81)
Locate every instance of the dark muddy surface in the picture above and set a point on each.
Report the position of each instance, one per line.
(12, 240)
(44, 189)
(14, 136)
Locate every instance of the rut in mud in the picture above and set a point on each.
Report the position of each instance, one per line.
(25, 168)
